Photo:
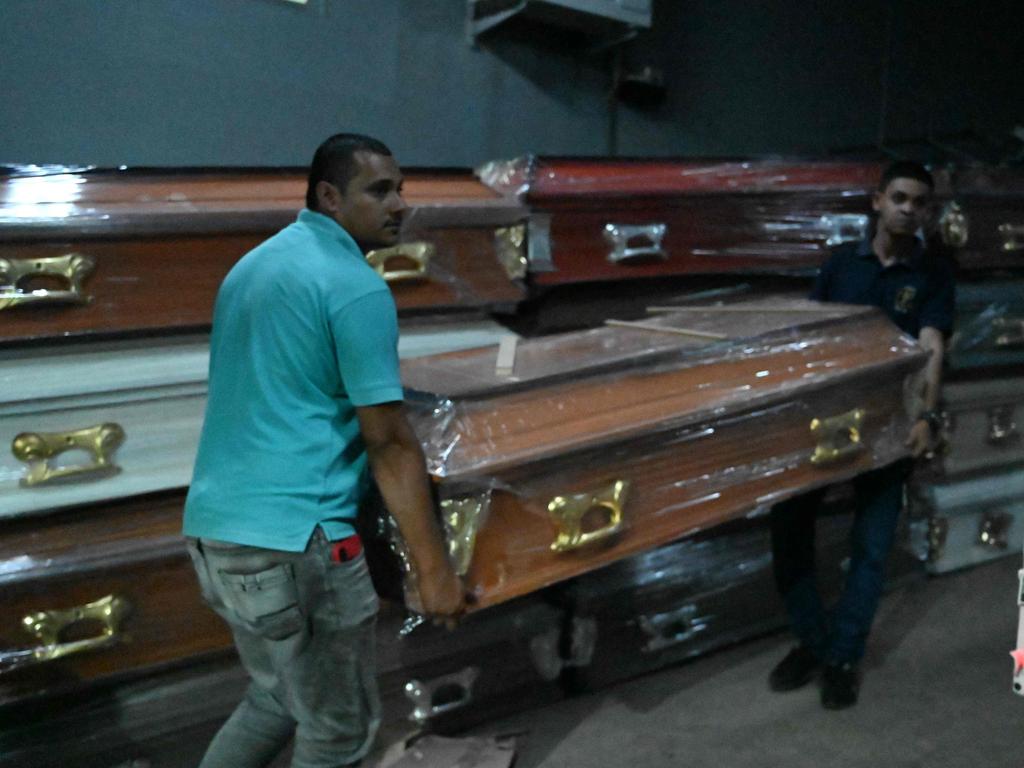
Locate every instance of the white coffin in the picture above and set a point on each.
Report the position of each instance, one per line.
(154, 390)
(984, 420)
(971, 521)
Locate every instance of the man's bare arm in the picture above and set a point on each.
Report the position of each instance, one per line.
(932, 341)
(400, 470)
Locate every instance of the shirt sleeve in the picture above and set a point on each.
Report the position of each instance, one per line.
(366, 345)
(937, 310)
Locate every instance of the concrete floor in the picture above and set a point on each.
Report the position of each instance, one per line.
(936, 693)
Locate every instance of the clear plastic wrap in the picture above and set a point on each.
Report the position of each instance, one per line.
(989, 325)
(608, 442)
(610, 219)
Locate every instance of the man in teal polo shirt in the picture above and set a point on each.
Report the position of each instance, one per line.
(304, 396)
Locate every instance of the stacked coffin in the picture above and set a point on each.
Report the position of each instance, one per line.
(970, 508)
(107, 282)
(608, 236)
(567, 474)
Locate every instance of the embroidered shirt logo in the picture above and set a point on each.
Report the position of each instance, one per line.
(905, 299)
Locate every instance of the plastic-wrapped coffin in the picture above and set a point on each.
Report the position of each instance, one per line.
(971, 521)
(618, 219)
(983, 423)
(116, 252)
(989, 325)
(607, 443)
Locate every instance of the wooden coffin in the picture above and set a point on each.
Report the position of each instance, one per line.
(989, 330)
(99, 592)
(99, 253)
(971, 521)
(694, 596)
(610, 442)
(983, 422)
(595, 220)
(988, 221)
(101, 421)
(492, 664)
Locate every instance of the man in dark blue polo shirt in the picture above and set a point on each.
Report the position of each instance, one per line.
(891, 270)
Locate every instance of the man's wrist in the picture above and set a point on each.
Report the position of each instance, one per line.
(932, 418)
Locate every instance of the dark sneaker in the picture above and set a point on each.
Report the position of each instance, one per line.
(795, 671)
(839, 686)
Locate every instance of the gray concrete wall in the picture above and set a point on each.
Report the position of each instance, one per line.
(261, 82)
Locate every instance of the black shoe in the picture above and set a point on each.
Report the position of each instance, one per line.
(795, 671)
(839, 686)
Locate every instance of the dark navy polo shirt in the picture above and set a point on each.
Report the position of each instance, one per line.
(915, 293)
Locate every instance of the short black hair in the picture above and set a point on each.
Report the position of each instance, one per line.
(906, 169)
(333, 161)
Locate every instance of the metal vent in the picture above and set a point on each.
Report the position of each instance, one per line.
(599, 18)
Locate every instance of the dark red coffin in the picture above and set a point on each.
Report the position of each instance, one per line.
(616, 219)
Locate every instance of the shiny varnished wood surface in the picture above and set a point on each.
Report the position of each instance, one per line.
(131, 549)
(703, 431)
(162, 243)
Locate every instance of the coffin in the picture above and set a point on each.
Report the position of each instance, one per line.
(595, 220)
(696, 595)
(492, 664)
(99, 592)
(98, 253)
(970, 521)
(606, 443)
(989, 218)
(115, 419)
(989, 330)
(983, 422)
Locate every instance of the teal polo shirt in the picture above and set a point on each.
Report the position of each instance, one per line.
(304, 330)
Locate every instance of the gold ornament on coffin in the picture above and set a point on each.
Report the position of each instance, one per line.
(393, 264)
(71, 268)
(838, 437)
(39, 449)
(510, 243)
(568, 513)
(48, 626)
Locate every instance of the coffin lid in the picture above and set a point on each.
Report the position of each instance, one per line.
(37, 201)
(536, 179)
(581, 390)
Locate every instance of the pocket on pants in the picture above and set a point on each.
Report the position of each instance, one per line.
(354, 599)
(199, 564)
(267, 602)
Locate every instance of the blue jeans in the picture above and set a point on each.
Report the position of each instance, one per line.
(840, 636)
(304, 629)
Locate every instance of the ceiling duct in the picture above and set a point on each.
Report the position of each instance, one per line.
(600, 20)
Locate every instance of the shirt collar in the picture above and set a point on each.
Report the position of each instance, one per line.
(328, 227)
(866, 250)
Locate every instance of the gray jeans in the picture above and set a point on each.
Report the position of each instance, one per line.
(304, 629)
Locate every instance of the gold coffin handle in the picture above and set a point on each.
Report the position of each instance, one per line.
(37, 449)
(568, 513)
(47, 626)
(838, 437)
(418, 253)
(953, 226)
(1013, 236)
(1010, 331)
(72, 268)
